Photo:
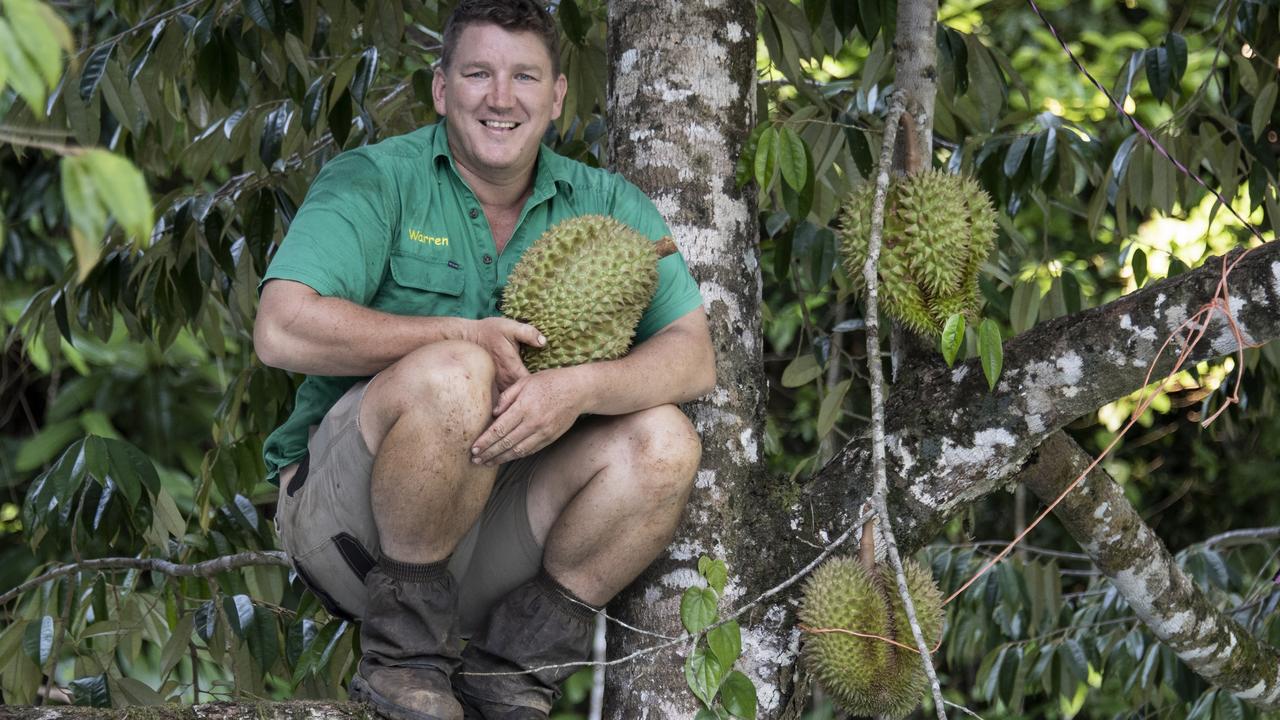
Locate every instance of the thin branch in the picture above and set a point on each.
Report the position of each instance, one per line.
(206, 569)
(870, 278)
(1241, 537)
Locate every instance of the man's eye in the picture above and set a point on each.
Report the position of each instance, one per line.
(479, 74)
(525, 77)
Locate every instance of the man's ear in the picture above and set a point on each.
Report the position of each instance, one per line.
(562, 86)
(437, 91)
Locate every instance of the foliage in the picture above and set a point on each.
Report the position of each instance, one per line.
(132, 408)
(708, 669)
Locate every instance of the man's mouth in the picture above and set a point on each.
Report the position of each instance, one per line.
(499, 124)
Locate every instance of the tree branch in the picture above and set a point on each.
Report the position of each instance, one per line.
(951, 442)
(206, 569)
(1102, 520)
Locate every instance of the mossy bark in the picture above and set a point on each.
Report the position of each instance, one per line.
(1125, 549)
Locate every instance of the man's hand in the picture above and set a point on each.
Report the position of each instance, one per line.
(530, 415)
(503, 338)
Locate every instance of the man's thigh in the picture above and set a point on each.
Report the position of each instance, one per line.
(327, 527)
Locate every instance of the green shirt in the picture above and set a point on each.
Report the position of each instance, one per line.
(393, 227)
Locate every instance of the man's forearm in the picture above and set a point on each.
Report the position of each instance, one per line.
(674, 366)
(332, 336)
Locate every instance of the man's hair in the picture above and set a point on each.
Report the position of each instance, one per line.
(510, 15)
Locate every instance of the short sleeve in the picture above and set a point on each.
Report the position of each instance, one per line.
(677, 292)
(339, 241)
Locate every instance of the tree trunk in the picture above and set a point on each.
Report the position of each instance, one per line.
(679, 115)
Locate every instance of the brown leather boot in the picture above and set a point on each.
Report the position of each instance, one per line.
(539, 623)
(410, 641)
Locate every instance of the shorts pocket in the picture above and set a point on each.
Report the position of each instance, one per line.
(354, 553)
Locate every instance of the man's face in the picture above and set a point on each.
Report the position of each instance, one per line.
(499, 95)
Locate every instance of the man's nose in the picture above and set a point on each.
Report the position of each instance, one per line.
(500, 93)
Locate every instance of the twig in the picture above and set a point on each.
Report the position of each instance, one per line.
(206, 569)
(59, 148)
(1241, 537)
(871, 280)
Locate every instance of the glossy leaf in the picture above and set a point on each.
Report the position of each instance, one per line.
(991, 351)
(738, 694)
(1159, 72)
(793, 158)
(366, 69)
(703, 672)
(830, 411)
(697, 608)
(767, 151)
(726, 642)
(952, 338)
(91, 691)
(715, 572)
(37, 641)
(94, 68)
(1139, 265)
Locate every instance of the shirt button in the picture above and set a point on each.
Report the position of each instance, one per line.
(488, 259)
(474, 213)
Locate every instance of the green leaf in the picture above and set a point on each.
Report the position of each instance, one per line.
(262, 638)
(830, 411)
(313, 102)
(37, 641)
(259, 14)
(726, 642)
(94, 68)
(1025, 306)
(136, 692)
(574, 24)
(1159, 73)
(767, 151)
(990, 351)
(1177, 46)
(1073, 658)
(715, 572)
(1139, 264)
(176, 646)
(952, 338)
(801, 371)
(697, 608)
(1262, 109)
(703, 672)
(1017, 151)
(123, 190)
(365, 71)
(274, 128)
(43, 36)
(22, 73)
(793, 157)
(738, 694)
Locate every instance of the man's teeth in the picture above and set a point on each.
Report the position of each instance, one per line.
(500, 125)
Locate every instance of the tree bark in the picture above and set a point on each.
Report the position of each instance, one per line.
(679, 115)
(1125, 549)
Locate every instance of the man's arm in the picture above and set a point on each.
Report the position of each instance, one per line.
(676, 365)
(298, 329)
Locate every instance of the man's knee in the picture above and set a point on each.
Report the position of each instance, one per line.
(663, 445)
(449, 381)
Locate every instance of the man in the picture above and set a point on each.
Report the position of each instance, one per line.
(430, 485)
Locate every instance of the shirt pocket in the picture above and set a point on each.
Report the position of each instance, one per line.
(423, 286)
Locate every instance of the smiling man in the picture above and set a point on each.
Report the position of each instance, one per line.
(432, 487)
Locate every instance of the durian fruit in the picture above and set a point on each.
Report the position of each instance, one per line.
(938, 228)
(584, 284)
(867, 676)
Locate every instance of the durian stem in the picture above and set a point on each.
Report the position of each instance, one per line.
(880, 503)
(867, 547)
(664, 247)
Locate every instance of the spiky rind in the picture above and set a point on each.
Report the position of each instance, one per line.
(584, 284)
(938, 230)
(867, 676)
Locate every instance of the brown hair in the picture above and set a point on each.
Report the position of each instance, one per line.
(510, 15)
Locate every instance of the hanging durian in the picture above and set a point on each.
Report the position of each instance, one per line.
(938, 229)
(868, 676)
(584, 284)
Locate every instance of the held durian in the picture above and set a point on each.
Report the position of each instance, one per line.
(938, 229)
(866, 676)
(584, 284)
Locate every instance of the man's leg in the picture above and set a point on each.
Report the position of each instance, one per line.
(604, 501)
(419, 418)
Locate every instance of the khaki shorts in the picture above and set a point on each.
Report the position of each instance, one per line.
(326, 524)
